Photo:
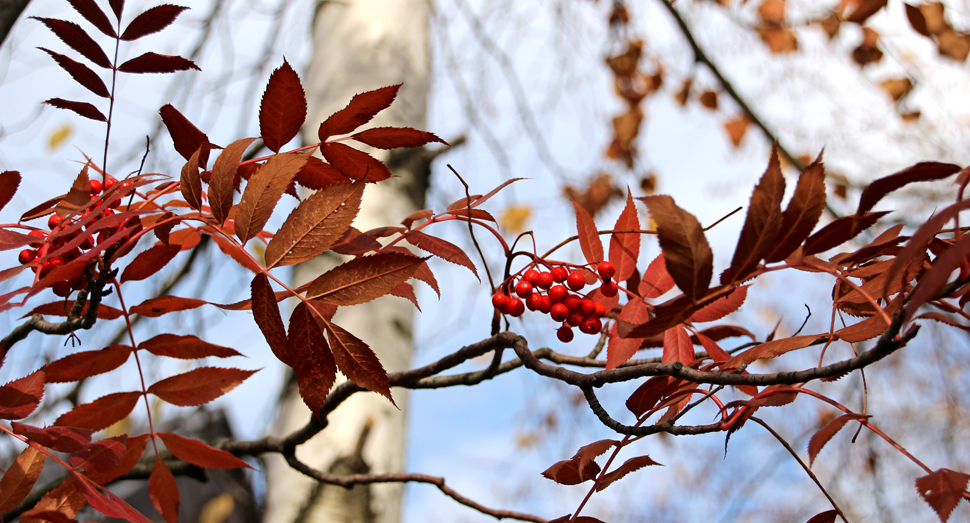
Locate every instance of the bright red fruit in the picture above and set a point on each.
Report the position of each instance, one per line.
(559, 274)
(588, 307)
(575, 280)
(545, 280)
(516, 307)
(573, 303)
(26, 256)
(591, 326)
(54, 221)
(50, 265)
(546, 304)
(38, 234)
(600, 310)
(558, 312)
(534, 301)
(609, 289)
(523, 289)
(499, 300)
(96, 187)
(531, 276)
(565, 334)
(558, 293)
(606, 270)
(574, 319)
(62, 288)
(109, 182)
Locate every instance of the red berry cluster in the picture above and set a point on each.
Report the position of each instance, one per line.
(56, 222)
(570, 308)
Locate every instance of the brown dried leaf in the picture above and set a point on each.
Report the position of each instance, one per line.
(80, 72)
(152, 21)
(943, 489)
(222, 180)
(359, 111)
(687, 254)
(630, 465)
(283, 108)
(772, 349)
(311, 359)
(357, 361)
(363, 279)
(263, 193)
(820, 438)
(803, 211)
(20, 477)
(761, 225)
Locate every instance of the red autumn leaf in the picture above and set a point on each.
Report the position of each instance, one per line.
(656, 281)
(149, 262)
(100, 413)
(424, 274)
(630, 465)
(357, 361)
(942, 318)
(566, 472)
(72, 35)
(354, 164)
(761, 225)
(222, 180)
(714, 350)
(921, 172)
(311, 359)
(99, 456)
(236, 253)
(190, 182)
(186, 137)
(188, 238)
(478, 201)
(61, 308)
(586, 454)
(20, 477)
(722, 306)
(649, 393)
(394, 137)
(589, 239)
(317, 174)
(80, 72)
(107, 503)
(921, 239)
(78, 197)
(942, 489)
(85, 364)
(406, 290)
(157, 63)
(19, 398)
(363, 279)
(771, 349)
(82, 108)
(263, 193)
(687, 254)
(803, 211)
(134, 448)
(9, 182)
(677, 346)
(198, 453)
(152, 21)
(198, 386)
(14, 240)
(864, 9)
(839, 232)
(360, 110)
(283, 108)
(186, 347)
(667, 315)
(826, 433)
(315, 225)
(931, 283)
(64, 499)
(266, 312)
(92, 13)
(625, 247)
(870, 327)
(620, 350)
(441, 248)
(916, 20)
(829, 516)
(355, 243)
(117, 7)
(164, 492)
(36, 434)
(160, 305)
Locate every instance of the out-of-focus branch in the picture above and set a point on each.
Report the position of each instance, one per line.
(9, 12)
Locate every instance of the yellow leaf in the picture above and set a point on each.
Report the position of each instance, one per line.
(514, 218)
(59, 136)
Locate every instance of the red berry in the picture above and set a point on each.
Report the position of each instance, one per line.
(38, 234)
(531, 276)
(534, 301)
(565, 334)
(606, 270)
(609, 289)
(559, 274)
(576, 280)
(574, 319)
(114, 204)
(591, 326)
(62, 288)
(88, 243)
(558, 293)
(545, 280)
(499, 300)
(523, 289)
(573, 303)
(559, 312)
(546, 304)
(588, 307)
(50, 265)
(96, 187)
(27, 256)
(516, 307)
(600, 310)
(109, 182)
(53, 221)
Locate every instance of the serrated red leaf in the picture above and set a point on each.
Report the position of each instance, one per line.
(99, 456)
(157, 63)
(9, 183)
(200, 454)
(656, 281)
(625, 247)
(282, 110)
(722, 306)
(630, 465)
(190, 182)
(441, 248)
(186, 347)
(363, 279)
(587, 453)
(311, 359)
(20, 477)
(871, 327)
(839, 232)
(152, 21)
(620, 350)
(360, 110)
(61, 308)
(357, 361)
(771, 349)
(222, 180)
(354, 164)
(188, 238)
(406, 290)
(198, 386)
(942, 490)
(829, 516)
(92, 13)
(160, 305)
(921, 172)
(117, 7)
(186, 137)
(317, 174)
(85, 364)
(424, 274)
(589, 239)
(803, 211)
(315, 225)
(687, 254)
(134, 449)
(266, 313)
(677, 346)
(78, 197)
(355, 243)
(19, 398)
(149, 262)
(646, 396)
(476, 202)
(82, 108)
(72, 35)
(235, 253)
(107, 503)
(164, 492)
(931, 283)
(761, 225)
(14, 240)
(100, 413)
(263, 193)
(826, 433)
(64, 499)
(81, 73)
(666, 315)
(714, 350)
(566, 472)
(394, 137)
(36, 434)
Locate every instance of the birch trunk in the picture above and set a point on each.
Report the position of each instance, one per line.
(360, 45)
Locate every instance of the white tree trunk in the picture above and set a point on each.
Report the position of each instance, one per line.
(360, 45)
